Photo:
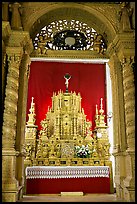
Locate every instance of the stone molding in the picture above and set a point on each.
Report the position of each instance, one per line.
(123, 45)
(71, 54)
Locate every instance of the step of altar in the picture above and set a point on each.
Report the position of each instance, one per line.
(72, 194)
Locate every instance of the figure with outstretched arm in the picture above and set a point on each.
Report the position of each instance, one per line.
(67, 78)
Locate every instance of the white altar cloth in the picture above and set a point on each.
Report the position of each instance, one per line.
(66, 172)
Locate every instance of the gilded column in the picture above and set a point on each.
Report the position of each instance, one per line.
(122, 51)
(129, 99)
(4, 60)
(9, 182)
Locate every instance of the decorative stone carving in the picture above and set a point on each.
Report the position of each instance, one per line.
(129, 97)
(55, 35)
(98, 44)
(9, 125)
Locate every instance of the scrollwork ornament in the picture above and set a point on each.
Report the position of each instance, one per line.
(13, 58)
(127, 61)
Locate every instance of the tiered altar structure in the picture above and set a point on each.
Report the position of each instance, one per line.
(64, 130)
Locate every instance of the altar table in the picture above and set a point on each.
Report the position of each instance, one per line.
(57, 179)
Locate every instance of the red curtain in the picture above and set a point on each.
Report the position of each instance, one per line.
(48, 77)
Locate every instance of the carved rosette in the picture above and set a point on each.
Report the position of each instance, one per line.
(129, 98)
(11, 99)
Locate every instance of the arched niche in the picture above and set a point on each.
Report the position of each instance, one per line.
(91, 14)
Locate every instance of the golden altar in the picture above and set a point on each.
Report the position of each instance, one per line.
(66, 137)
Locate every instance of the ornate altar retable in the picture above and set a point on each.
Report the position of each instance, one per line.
(66, 138)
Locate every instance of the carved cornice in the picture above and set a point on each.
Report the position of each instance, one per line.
(21, 39)
(9, 152)
(123, 45)
(71, 54)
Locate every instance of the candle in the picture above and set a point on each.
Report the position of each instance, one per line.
(96, 109)
(101, 106)
(32, 102)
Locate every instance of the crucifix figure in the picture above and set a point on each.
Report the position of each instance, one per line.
(67, 77)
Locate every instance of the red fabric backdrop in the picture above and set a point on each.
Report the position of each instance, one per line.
(51, 186)
(48, 77)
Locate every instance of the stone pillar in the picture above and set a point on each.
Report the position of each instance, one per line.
(6, 31)
(3, 71)
(119, 136)
(129, 99)
(16, 16)
(119, 139)
(9, 182)
(21, 116)
(123, 48)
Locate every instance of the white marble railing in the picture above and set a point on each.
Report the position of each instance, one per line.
(66, 172)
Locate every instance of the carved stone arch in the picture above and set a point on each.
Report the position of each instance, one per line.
(91, 14)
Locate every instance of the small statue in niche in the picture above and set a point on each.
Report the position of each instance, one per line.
(124, 16)
(98, 44)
